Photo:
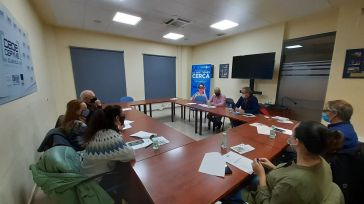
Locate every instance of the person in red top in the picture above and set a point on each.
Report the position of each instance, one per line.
(217, 100)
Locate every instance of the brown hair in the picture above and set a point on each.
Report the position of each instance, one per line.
(71, 115)
(342, 108)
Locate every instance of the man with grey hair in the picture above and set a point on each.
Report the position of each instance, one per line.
(89, 97)
(247, 103)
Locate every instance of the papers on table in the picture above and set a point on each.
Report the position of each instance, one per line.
(173, 99)
(285, 121)
(206, 106)
(143, 134)
(239, 161)
(127, 124)
(282, 130)
(190, 103)
(213, 163)
(263, 129)
(282, 119)
(127, 109)
(242, 148)
(135, 145)
(161, 140)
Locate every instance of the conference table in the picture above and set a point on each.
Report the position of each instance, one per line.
(170, 174)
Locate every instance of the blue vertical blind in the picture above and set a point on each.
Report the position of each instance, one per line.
(101, 71)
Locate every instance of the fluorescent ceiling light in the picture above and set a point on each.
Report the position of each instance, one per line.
(224, 25)
(293, 46)
(126, 18)
(173, 36)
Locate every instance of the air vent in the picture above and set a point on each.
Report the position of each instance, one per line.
(220, 34)
(177, 22)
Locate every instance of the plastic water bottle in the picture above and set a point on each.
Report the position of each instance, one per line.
(272, 133)
(224, 141)
(155, 144)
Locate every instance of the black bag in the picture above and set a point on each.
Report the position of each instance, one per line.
(348, 173)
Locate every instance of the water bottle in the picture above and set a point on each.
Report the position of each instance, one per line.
(272, 133)
(230, 107)
(155, 144)
(224, 141)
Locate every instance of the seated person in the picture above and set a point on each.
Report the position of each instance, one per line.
(217, 100)
(338, 114)
(73, 125)
(104, 143)
(307, 181)
(200, 96)
(91, 101)
(247, 103)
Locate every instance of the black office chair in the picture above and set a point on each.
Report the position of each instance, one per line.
(229, 103)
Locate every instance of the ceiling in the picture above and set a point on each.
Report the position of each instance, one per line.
(97, 15)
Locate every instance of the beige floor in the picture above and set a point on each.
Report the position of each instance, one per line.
(164, 116)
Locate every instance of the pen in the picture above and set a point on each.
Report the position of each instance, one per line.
(148, 145)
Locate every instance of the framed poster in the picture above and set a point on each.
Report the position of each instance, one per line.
(354, 64)
(16, 68)
(224, 71)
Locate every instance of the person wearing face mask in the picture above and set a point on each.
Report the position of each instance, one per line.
(309, 180)
(92, 102)
(217, 100)
(104, 143)
(337, 114)
(73, 125)
(247, 103)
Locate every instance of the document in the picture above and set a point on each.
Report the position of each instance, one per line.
(256, 124)
(127, 109)
(242, 148)
(239, 161)
(282, 130)
(263, 130)
(143, 134)
(173, 99)
(161, 140)
(190, 103)
(249, 115)
(127, 124)
(139, 143)
(213, 163)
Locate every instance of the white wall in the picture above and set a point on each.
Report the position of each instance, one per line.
(269, 39)
(350, 35)
(24, 122)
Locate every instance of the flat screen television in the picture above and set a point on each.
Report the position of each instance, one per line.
(258, 66)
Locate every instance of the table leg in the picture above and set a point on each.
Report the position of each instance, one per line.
(139, 107)
(184, 112)
(150, 110)
(181, 112)
(196, 121)
(145, 109)
(200, 132)
(172, 114)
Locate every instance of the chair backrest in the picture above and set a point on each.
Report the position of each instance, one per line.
(263, 110)
(54, 137)
(229, 102)
(126, 99)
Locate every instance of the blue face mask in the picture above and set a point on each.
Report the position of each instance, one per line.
(85, 113)
(325, 117)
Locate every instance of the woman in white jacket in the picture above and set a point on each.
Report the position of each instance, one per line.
(104, 143)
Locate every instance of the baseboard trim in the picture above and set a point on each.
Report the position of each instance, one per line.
(34, 191)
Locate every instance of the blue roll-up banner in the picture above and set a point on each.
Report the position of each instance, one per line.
(201, 74)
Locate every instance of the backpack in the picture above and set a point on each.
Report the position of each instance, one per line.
(348, 172)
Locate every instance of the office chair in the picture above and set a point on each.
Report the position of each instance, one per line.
(126, 99)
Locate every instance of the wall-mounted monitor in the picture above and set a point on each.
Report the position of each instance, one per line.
(257, 66)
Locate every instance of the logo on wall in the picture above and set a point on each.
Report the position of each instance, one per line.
(16, 67)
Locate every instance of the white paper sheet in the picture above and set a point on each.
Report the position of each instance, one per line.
(142, 134)
(126, 126)
(242, 148)
(285, 121)
(256, 124)
(190, 103)
(263, 129)
(239, 161)
(128, 122)
(127, 109)
(173, 99)
(213, 164)
(285, 131)
(145, 143)
(249, 115)
(280, 118)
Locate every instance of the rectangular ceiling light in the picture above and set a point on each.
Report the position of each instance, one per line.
(126, 18)
(224, 25)
(173, 36)
(293, 46)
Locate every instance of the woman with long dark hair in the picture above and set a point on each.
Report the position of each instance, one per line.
(104, 143)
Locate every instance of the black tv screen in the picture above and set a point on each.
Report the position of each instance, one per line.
(258, 66)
